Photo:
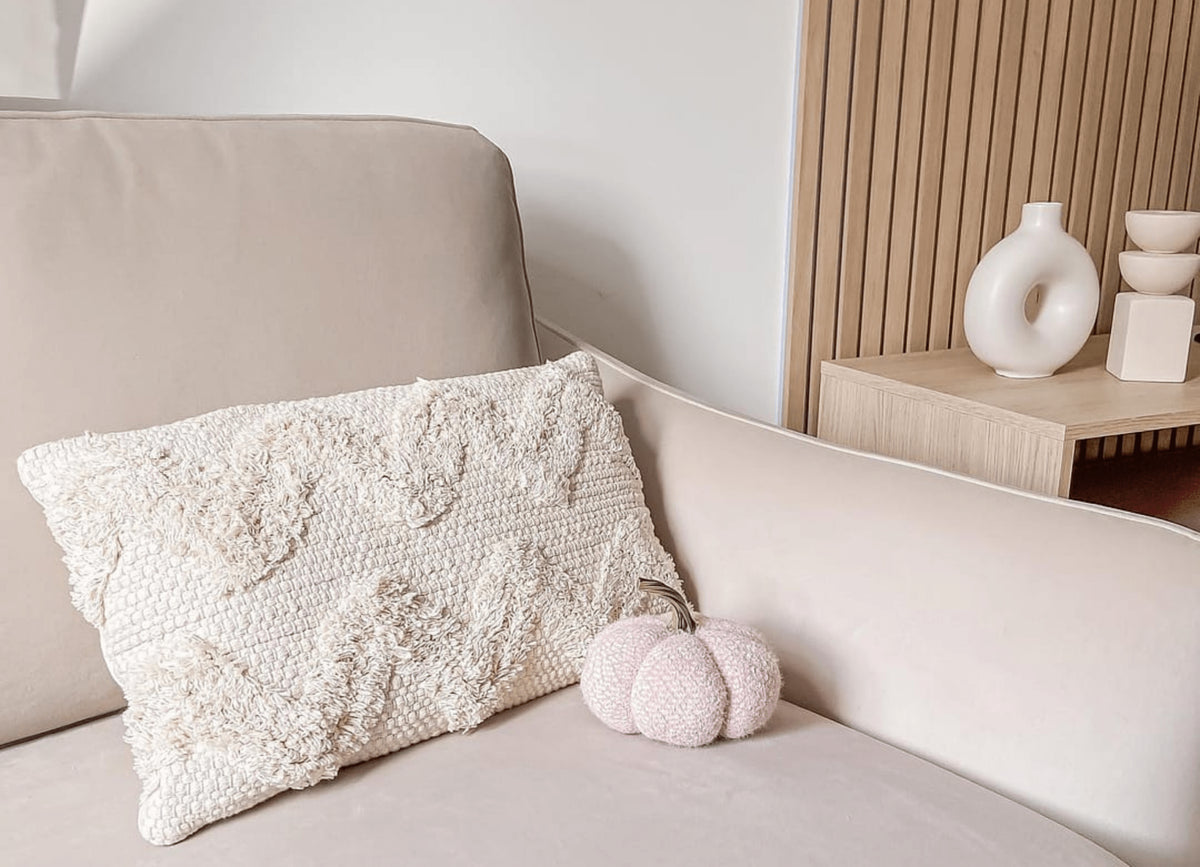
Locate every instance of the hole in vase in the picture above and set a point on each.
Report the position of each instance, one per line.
(1033, 302)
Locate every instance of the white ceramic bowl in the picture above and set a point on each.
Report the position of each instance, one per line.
(1158, 273)
(1163, 231)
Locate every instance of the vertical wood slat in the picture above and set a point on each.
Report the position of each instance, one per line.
(806, 186)
(1050, 109)
(858, 177)
(1171, 116)
(1078, 77)
(925, 124)
(1193, 189)
(1109, 134)
(1096, 93)
(929, 173)
(954, 169)
(831, 201)
(908, 155)
(1004, 115)
(883, 167)
(1026, 115)
(1189, 112)
(970, 231)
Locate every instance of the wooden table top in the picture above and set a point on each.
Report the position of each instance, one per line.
(1082, 400)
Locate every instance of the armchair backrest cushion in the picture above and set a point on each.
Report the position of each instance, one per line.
(156, 268)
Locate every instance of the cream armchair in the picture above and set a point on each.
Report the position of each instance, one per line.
(973, 675)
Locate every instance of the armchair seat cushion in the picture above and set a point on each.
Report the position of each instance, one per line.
(547, 784)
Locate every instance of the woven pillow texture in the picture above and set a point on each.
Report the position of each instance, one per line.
(286, 589)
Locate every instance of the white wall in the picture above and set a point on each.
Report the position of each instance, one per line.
(650, 140)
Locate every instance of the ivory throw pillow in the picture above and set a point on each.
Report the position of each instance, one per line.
(283, 590)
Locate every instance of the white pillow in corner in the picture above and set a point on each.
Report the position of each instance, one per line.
(286, 589)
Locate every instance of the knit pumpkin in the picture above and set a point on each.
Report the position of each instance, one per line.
(684, 683)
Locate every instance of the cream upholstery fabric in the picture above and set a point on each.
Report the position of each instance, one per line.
(1044, 648)
(156, 268)
(288, 588)
(547, 783)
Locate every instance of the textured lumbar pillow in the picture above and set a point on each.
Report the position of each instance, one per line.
(286, 589)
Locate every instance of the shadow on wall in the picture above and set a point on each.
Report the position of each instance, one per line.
(584, 281)
(70, 23)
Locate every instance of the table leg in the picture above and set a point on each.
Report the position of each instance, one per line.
(1068, 467)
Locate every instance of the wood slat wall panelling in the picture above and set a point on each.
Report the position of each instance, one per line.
(924, 125)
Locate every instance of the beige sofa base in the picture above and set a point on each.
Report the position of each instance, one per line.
(548, 784)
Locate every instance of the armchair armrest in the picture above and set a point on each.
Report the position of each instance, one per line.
(1044, 648)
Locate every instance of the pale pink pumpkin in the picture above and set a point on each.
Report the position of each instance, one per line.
(684, 684)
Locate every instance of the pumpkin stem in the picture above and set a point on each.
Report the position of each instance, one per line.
(679, 606)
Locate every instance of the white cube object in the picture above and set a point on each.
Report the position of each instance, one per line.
(1151, 337)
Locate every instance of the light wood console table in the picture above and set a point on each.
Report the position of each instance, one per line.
(947, 409)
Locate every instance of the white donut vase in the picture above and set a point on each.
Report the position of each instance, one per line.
(1038, 257)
